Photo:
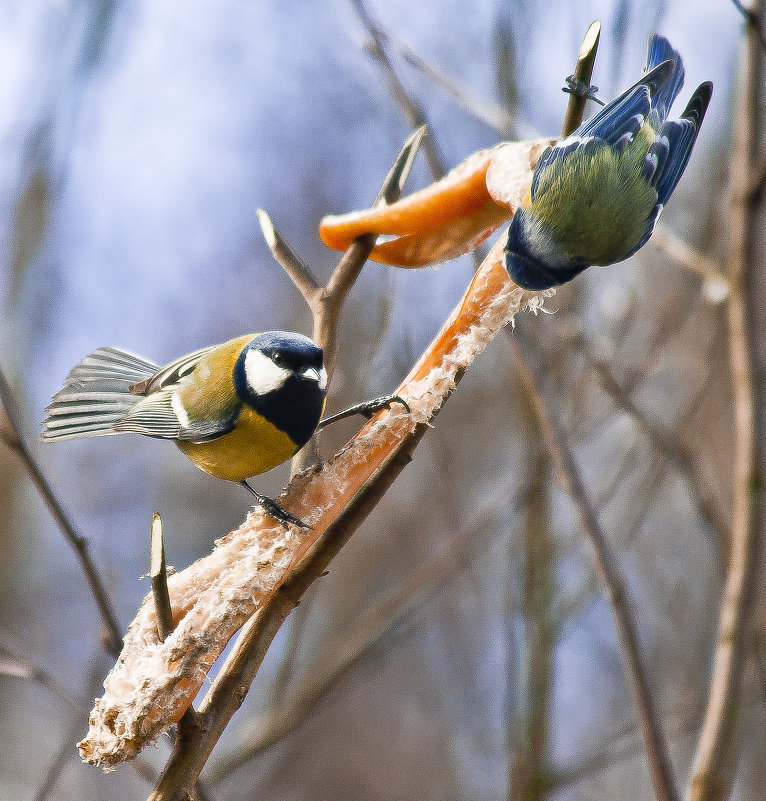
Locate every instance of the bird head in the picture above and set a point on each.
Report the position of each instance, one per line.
(281, 375)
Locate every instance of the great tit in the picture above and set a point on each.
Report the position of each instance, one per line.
(597, 194)
(236, 409)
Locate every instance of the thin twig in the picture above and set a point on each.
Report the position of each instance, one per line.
(690, 258)
(299, 273)
(113, 635)
(529, 776)
(583, 73)
(325, 303)
(12, 664)
(413, 113)
(658, 760)
(717, 750)
(752, 18)
(493, 114)
(758, 179)
(158, 575)
(667, 442)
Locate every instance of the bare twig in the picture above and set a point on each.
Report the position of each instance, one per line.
(667, 442)
(158, 575)
(758, 179)
(299, 273)
(65, 752)
(13, 665)
(583, 74)
(413, 113)
(752, 18)
(717, 749)
(493, 114)
(660, 768)
(17, 441)
(529, 769)
(326, 302)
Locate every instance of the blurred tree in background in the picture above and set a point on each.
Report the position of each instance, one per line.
(462, 645)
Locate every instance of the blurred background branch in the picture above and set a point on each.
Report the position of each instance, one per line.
(717, 754)
(14, 438)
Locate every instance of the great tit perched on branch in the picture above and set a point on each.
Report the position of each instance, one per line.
(596, 195)
(236, 409)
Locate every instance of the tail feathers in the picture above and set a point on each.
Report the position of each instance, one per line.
(96, 394)
(678, 138)
(112, 363)
(661, 50)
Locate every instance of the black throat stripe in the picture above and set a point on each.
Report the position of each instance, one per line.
(294, 408)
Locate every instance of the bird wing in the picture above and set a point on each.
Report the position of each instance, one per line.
(171, 398)
(163, 416)
(171, 373)
(616, 124)
(667, 157)
(661, 50)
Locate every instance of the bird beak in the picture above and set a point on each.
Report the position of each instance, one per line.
(312, 374)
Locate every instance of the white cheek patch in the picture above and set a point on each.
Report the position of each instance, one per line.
(261, 374)
(323, 379)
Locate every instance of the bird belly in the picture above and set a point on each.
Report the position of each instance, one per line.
(253, 447)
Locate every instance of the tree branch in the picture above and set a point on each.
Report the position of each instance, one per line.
(154, 682)
(717, 749)
(658, 760)
(16, 440)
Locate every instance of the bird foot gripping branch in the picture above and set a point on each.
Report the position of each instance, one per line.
(594, 199)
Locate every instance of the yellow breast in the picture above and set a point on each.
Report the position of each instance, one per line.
(253, 447)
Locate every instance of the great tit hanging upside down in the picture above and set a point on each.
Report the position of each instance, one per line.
(594, 199)
(596, 195)
(236, 409)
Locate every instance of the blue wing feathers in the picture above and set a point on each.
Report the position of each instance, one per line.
(634, 101)
(623, 116)
(681, 135)
(539, 254)
(661, 50)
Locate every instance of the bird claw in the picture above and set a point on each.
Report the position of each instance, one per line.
(370, 407)
(574, 86)
(367, 409)
(273, 509)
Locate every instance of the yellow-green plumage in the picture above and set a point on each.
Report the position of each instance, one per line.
(612, 205)
(253, 447)
(597, 194)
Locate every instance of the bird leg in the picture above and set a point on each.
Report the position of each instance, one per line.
(574, 86)
(367, 408)
(272, 508)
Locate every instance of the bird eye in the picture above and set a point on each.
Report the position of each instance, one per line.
(278, 359)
